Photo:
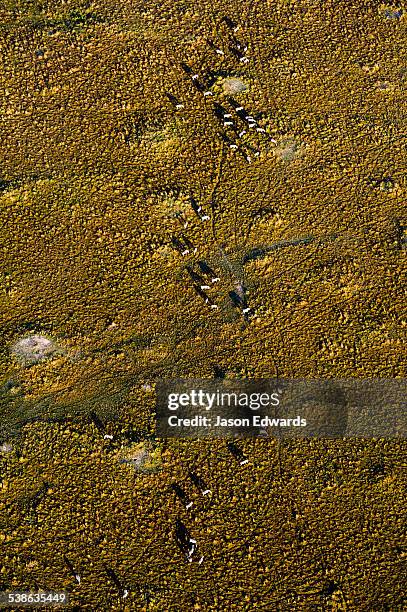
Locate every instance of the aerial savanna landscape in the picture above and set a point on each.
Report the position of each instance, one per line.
(198, 190)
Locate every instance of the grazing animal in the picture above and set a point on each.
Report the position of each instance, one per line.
(174, 101)
(180, 493)
(197, 278)
(205, 297)
(199, 483)
(231, 24)
(208, 271)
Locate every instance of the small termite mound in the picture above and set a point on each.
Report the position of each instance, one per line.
(34, 348)
(385, 86)
(391, 12)
(6, 447)
(288, 150)
(143, 457)
(233, 85)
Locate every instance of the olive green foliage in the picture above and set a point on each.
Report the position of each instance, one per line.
(97, 168)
